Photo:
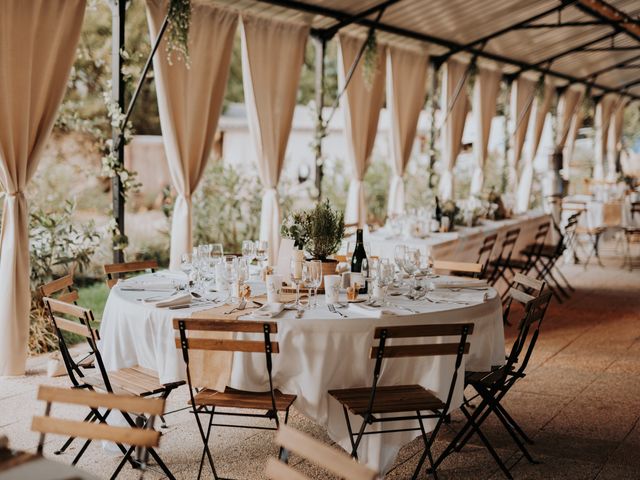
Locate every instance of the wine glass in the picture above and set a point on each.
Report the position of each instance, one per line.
(262, 251)
(314, 275)
(384, 278)
(216, 252)
(427, 263)
(351, 247)
(295, 274)
(231, 275)
(411, 264)
(243, 270)
(248, 250)
(398, 256)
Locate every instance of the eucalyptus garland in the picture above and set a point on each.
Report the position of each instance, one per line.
(539, 89)
(370, 65)
(472, 75)
(178, 30)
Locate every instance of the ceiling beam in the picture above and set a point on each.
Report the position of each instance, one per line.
(562, 25)
(609, 49)
(575, 49)
(633, 83)
(608, 13)
(329, 32)
(616, 66)
(449, 44)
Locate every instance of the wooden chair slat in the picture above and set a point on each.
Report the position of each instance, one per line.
(125, 380)
(214, 344)
(69, 297)
(399, 351)
(126, 403)
(71, 326)
(520, 296)
(276, 470)
(56, 285)
(451, 266)
(130, 266)
(527, 281)
(67, 308)
(111, 282)
(224, 325)
(437, 330)
(323, 455)
(130, 436)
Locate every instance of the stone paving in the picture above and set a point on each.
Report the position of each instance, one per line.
(580, 403)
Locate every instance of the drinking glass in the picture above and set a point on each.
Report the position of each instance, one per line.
(243, 270)
(185, 263)
(427, 263)
(216, 252)
(398, 256)
(295, 274)
(231, 275)
(248, 250)
(314, 271)
(384, 278)
(262, 251)
(411, 264)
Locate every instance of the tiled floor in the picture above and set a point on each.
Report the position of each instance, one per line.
(580, 403)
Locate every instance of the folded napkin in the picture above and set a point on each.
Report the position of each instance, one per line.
(174, 300)
(155, 284)
(467, 283)
(468, 296)
(269, 310)
(375, 312)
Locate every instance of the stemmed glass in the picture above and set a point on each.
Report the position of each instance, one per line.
(427, 264)
(262, 251)
(216, 252)
(231, 275)
(296, 275)
(399, 253)
(384, 278)
(411, 264)
(248, 250)
(314, 279)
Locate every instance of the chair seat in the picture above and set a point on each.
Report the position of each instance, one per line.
(398, 398)
(589, 231)
(244, 399)
(484, 378)
(137, 380)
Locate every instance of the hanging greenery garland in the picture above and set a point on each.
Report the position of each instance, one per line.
(370, 66)
(178, 31)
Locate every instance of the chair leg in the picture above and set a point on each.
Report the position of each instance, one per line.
(354, 447)
(514, 424)
(89, 418)
(283, 455)
(206, 442)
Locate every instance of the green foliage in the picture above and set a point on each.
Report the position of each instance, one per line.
(178, 30)
(319, 231)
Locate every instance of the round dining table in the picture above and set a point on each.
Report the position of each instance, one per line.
(319, 351)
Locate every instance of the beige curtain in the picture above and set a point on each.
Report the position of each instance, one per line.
(455, 110)
(272, 57)
(485, 98)
(539, 112)
(603, 117)
(37, 47)
(406, 91)
(522, 99)
(190, 102)
(569, 122)
(361, 110)
(614, 146)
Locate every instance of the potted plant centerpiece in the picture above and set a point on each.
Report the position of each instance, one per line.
(318, 231)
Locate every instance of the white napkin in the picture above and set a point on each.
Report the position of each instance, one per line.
(374, 312)
(470, 283)
(155, 284)
(174, 300)
(268, 310)
(468, 296)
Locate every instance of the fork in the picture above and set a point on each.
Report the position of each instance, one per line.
(241, 306)
(332, 309)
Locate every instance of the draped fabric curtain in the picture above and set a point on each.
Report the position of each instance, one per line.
(190, 102)
(455, 107)
(539, 112)
(406, 91)
(38, 42)
(272, 57)
(361, 110)
(603, 117)
(576, 124)
(523, 92)
(485, 98)
(615, 136)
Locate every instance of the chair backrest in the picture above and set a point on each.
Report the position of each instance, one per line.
(114, 271)
(523, 290)
(635, 209)
(458, 267)
(539, 241)
(528, 331)
(139, 437)
(67, 317)
(317, 453)
(382, 350)
(509, 243)
(62, 288)
(266, 345)
(485, 251)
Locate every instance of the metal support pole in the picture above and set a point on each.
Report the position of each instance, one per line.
(321, 128)
(118, 12)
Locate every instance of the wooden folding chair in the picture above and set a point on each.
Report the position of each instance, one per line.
(135, 381)
(523, 289)
(207, 401)
(494, 385)
(501, 263)
(632, 235)
(115, 271)
(373, 403)
(484, 254)
(317, 453)
(142, 437)
(458, 268)
(62, 288)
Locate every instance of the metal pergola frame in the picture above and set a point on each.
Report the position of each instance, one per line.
(603, 14)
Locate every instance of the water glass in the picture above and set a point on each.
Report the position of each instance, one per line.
(248, 250)
(384, 278)
(296, 277)
(216, 252)
(332, 288)
(262, 251)
(315, 274)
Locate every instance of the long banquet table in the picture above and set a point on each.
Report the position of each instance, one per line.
(319, 352)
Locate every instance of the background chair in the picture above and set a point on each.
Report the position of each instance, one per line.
(114, 271)
(501, 263)
(458, 268)
(321, 455)
(632, 235)
(142, 437)
(484, 255)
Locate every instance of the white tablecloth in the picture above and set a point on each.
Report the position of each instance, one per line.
(319, 352)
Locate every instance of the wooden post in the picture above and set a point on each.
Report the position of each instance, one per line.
(321, 48)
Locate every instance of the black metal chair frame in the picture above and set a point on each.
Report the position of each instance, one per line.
(501, 263)
(484, 254)
(493, 387)
(94, 415)
(385, 333)
(267, 330)
(629, 233)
